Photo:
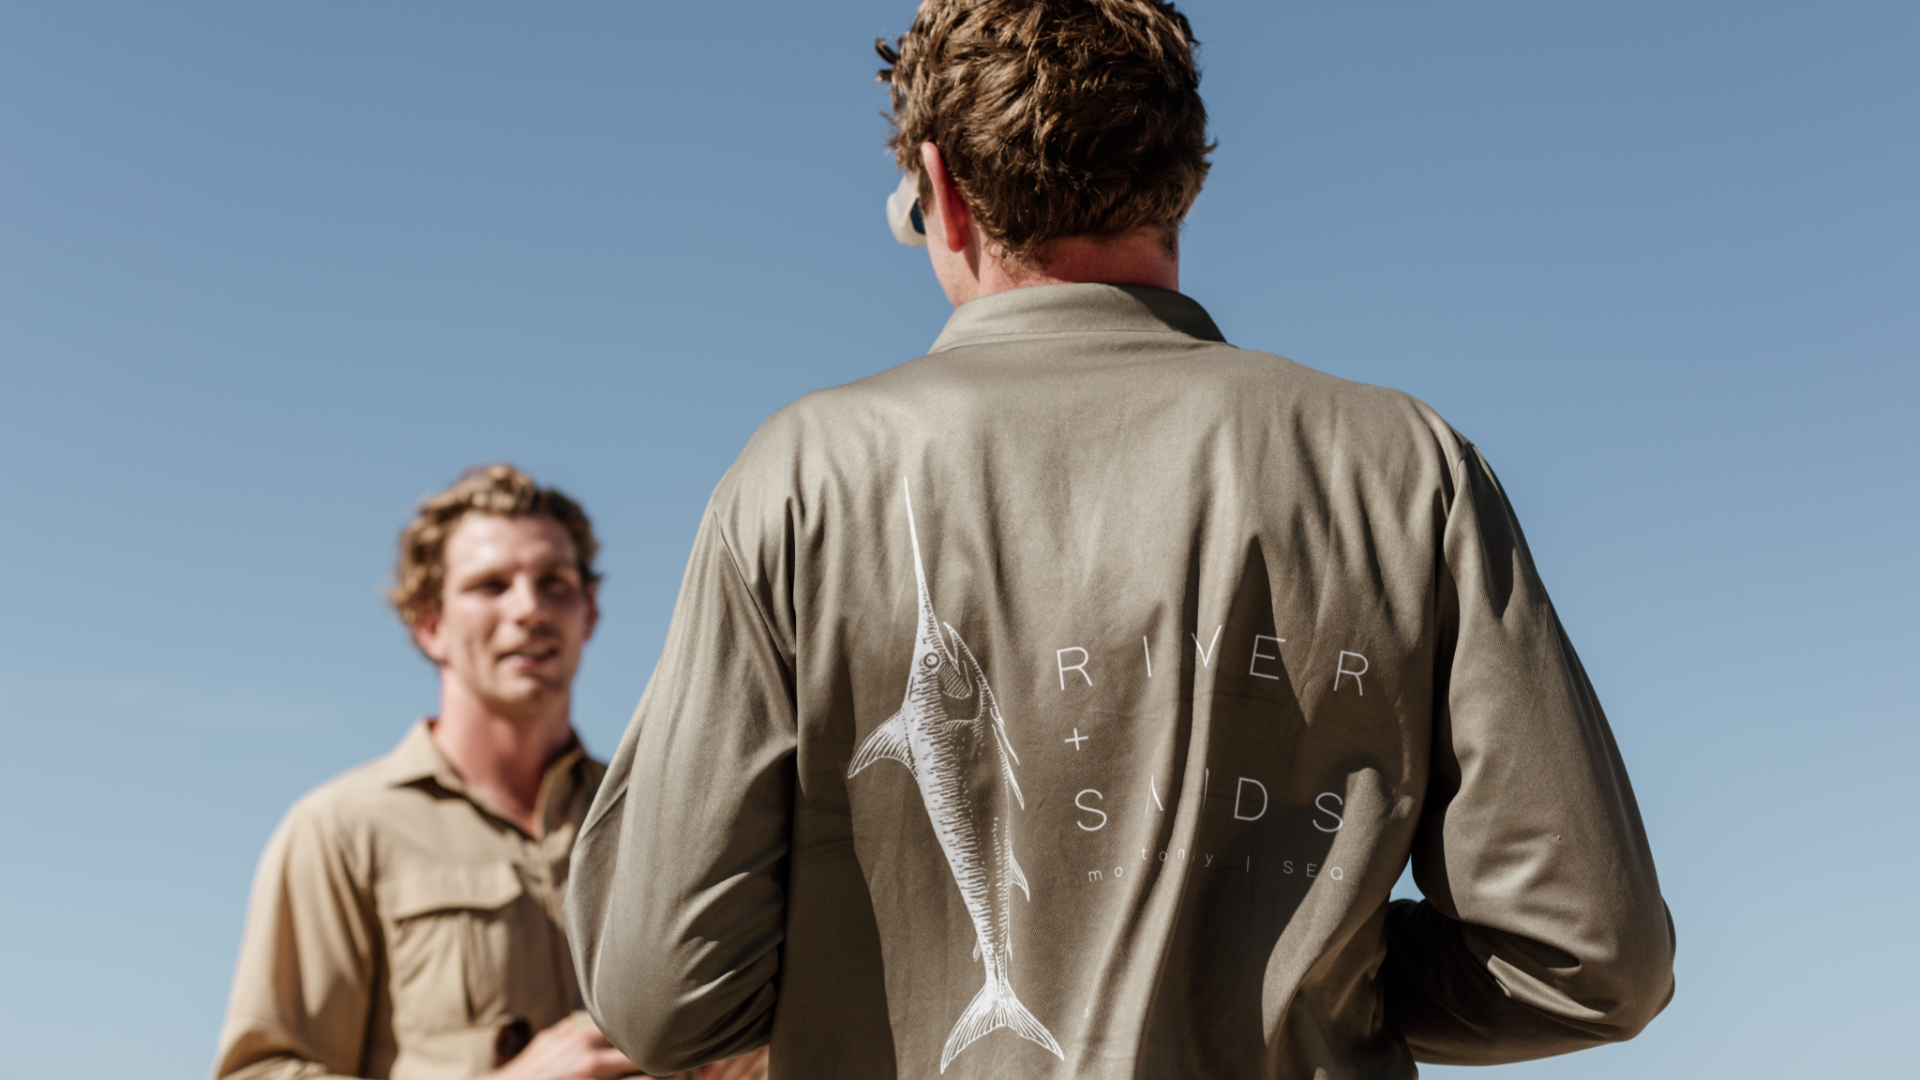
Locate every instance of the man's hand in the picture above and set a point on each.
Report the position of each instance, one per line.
(569, 1050)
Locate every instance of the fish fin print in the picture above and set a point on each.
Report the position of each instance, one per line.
(976, 948)
(1019, 876)
(968, 668)
(995, 1007)
(1007, 767)
(990, 713)
(889, 740)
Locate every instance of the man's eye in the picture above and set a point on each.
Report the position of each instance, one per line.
(490, 588)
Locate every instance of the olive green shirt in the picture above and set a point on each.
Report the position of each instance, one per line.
(398, 921)
(1066, 703)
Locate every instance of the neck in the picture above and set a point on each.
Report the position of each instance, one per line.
(501, 757)
(1140, 257)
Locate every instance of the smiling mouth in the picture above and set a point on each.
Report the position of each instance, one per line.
(533, 654)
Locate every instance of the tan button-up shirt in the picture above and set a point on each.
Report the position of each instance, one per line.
(398, 921)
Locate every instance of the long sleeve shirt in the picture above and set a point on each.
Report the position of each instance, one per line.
(1066, 703)
(398, 922)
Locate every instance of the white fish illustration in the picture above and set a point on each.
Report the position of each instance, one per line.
(950, 733)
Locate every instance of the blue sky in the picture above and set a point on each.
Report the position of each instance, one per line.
(269, 273)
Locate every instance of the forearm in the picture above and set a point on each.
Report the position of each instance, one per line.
(302, 987)
(676, 906)
(677, 922)
(276, 1067)
(1459, 995)
(1543, 930)
(674, 984)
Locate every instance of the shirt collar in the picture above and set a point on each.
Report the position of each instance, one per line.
(1075, 309)
(418, 758)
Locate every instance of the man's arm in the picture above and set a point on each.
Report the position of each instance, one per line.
(303, 994)
(676, 902)
(1543, 930)
(303, 987)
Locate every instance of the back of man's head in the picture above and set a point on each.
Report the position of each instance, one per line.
(1055, 118)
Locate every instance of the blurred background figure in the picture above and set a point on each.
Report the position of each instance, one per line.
(405, 919)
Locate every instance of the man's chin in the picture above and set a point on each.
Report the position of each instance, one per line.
(526, 699)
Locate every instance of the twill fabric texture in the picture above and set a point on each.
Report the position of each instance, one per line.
(1067, 702)
(398, 922)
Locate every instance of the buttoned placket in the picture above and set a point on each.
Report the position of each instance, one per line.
(555, 842)
(536, 856)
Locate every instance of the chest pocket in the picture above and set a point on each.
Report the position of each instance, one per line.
(449, 940)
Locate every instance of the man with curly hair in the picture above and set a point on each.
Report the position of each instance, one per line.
(1067, 702)
(405, 920)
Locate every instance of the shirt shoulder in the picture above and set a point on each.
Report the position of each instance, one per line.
(1216, 385)
(1350, 409)
(357, 815)
(352, 795)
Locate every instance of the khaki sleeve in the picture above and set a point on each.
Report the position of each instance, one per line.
(303, 990)
(676, 904)
(1543, 929)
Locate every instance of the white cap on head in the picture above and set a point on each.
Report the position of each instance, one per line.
(903, 212)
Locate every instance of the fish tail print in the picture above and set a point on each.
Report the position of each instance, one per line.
(995, 1007)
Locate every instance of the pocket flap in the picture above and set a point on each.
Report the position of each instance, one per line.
(418, 890)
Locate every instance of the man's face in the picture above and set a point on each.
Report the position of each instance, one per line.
(513, 614)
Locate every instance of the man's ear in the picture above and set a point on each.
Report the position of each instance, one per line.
(593, 609)
(949, 209)
(426, 634)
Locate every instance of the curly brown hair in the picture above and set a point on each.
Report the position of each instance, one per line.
(1055, 118)
(420, 570)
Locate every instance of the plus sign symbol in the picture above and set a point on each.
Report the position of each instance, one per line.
(1077, 739)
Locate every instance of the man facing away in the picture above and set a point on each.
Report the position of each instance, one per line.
(405, 920)
(1066, 702)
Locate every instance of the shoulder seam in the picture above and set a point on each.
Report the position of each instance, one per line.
(733, 560)
(328, 825)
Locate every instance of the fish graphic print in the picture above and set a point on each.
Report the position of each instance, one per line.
(949, 733)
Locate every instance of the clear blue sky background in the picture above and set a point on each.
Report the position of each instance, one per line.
(270, 272)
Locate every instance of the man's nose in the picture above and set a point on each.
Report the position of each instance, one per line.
(524, 600)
